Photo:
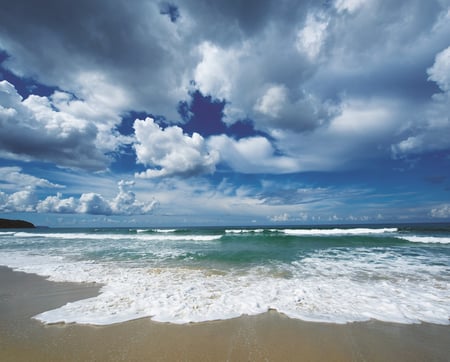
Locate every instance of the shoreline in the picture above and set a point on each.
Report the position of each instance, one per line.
(269, 336)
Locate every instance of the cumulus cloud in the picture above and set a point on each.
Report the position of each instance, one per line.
(214, 73)
(33, 129)
(56, 204)
(171, 152)
(94, 204)
(124, 203)
(20, 201)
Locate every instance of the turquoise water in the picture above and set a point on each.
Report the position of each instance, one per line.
(333, 274)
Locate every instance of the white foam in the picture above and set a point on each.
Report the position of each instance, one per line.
(327, 286)
(141, 230)
(105, 236)
(426, 239)
(338, 231)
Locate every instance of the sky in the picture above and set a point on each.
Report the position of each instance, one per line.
(184, 113)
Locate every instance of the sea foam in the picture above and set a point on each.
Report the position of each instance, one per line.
(427, 239)
(338, 231)
(331, 284)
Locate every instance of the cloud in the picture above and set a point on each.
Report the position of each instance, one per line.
(440, 71)
(279, 218)
(93, 204)
(312, 36)
(21, 201)
(131, 48)
(349, 5)
(363, 129)
(251, 155)
(124, 203)
(273, 101)
(215, 72)
(441, 212)
(14, 177)
(430, 133)
(171, 151)
(56, 204)
(33, 129)
(292, 67)
(302, 114)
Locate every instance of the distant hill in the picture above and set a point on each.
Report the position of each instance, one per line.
(15, 224)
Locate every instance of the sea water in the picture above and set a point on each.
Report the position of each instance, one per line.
(326, 274)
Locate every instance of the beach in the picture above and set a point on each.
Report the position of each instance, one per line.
(269, 336)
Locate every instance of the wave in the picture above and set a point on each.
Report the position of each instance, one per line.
(164, 231)
(247, 231)
(7, 233)
(185, 276)
(426, 239)
(338, 231)
(140, 236)
(318, 288)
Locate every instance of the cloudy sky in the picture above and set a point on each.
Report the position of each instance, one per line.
(202, 112)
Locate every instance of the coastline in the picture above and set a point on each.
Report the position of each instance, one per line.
(269, 336)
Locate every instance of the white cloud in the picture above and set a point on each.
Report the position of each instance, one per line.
(441, 212)
(251, 155)
(17, 179)
(34, 129)
(93, 204)
(171, 151)
(311, 37)
(273, 101)
(21, 201)
(440, 71)
(124, 203)
(214, 73)
(56, 204)
(412, 144)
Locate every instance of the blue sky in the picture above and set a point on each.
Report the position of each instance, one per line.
(224, 112)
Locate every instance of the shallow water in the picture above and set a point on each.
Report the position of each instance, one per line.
(329, 274)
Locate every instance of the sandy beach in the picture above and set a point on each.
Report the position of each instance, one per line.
(267, 337)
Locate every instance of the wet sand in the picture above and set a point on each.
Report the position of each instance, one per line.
(267, 337)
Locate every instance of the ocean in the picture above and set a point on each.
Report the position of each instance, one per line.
(334, 274)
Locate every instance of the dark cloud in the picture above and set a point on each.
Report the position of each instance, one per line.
(330, 70)
(32, 129)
